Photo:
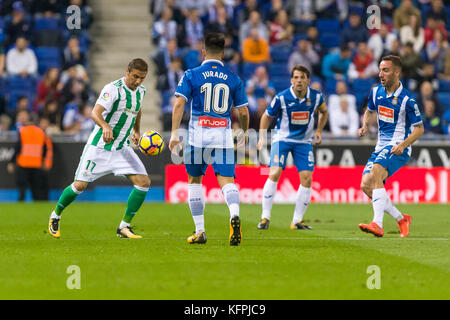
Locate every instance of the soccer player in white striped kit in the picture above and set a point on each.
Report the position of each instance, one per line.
(117, 114)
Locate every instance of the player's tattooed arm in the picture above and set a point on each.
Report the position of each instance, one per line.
(96, 115)
(417, 132)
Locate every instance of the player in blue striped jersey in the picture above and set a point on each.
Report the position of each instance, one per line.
(211, 90)
(399, 125)
(294, 109)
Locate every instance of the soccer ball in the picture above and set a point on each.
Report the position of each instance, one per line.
(151, 143)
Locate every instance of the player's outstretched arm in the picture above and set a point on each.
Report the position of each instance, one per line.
(416, 134)
(96, 115)
(177, 115)
(322, 121)
(365, 123)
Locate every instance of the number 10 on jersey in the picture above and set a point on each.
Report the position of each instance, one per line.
(213, 96)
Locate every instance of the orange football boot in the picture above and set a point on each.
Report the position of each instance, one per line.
(403, 225)
(372, 228)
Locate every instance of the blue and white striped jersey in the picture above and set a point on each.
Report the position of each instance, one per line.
(397, 114)
(295, 117)
(211, 89)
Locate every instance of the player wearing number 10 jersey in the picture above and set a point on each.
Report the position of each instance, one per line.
(211, 90)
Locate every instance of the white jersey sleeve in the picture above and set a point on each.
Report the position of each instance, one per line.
(108, 96)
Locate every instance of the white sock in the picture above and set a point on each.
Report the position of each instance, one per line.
(379, 200)
(270, 188)
(123, 224)
(197, 206)
(231, 195)
(301, 203)
(54, 215)
(392, 210)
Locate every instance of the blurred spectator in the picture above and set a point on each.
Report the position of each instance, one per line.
(156, 8)
(231, 56)
(304, 55)
(77, 121)
(2, 59)
(300, 10)
(431, 122)
(75, 87)
(201, 6)
(331, 9)
(5, 123)
(177, 14)
(194, 56)
(335, 65)
(222, 23)
(344, 121)
(431, 27)
(316, 85)
(427, 92)
(22, 104)
(259, 87)
(21, 60)
(73, 54)
(19, 26)
(402, 13)
(170, 80)
(281, 30)
(381, 42)
(438, 12)
(253, 22)
(436, 50)
(193, 27)
(413, 32)
(395, 48)
(362, 66)
(46, 8)
(275, 7)
(213, 10)
(165, 28)
(163, 57)
(446, 74)
(243, 12)
(341, 94)
(411, 62)
(51, 111)
(48, 88)
(255, 49)
(355, 33)
(312, 34)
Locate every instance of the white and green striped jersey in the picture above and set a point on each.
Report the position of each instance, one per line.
(121, 108)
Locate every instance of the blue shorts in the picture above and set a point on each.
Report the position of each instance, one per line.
(197, 160)
(301, 152)
(387, 160)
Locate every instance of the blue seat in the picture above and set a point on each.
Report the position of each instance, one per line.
(330, 39)
(362, 86)
(444, 99)
(444, 85)
(48, 57)
(280, 83)
(20, 83)
(330, 86)
(280, 53)
(328, 25)
(278, 69)
(249, 68)
(46, 24)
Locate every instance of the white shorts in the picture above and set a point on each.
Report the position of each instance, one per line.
(96, 163)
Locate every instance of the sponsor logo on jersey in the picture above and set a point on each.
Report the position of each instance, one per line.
(211, 122)
(105, 95)
(386, 114)
(300, 117)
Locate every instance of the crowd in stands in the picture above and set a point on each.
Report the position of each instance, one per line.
(43, 63)
(266, 38)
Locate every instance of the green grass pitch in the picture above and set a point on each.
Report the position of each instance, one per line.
(329, 262)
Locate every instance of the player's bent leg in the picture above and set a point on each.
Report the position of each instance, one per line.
(68, 196)
(269, 190)
(302, 200)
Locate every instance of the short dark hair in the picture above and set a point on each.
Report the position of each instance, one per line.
(396, 60)
(138, 64)
(214, 42)
(300, 68)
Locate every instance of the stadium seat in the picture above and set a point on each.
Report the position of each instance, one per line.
(444, 99)
(444, 85)
(278, 69)
(280, 53)
(330, 86)
(328, 25)
(249, 68)
(330, 39)
(362, 86)
(280, 83)
(48, 57)
(46, 24)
